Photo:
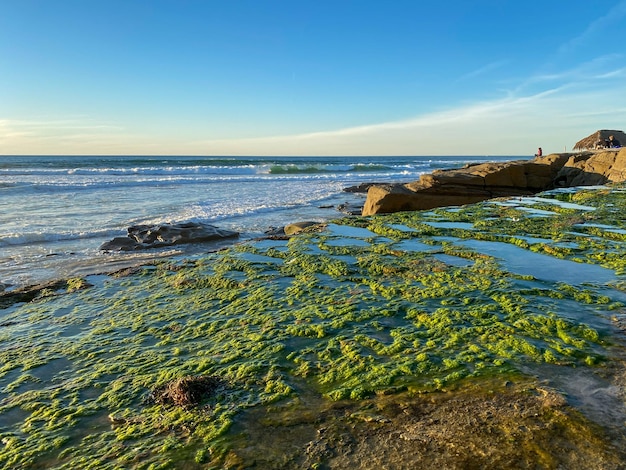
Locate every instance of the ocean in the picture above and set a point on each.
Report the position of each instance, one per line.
(56, 211)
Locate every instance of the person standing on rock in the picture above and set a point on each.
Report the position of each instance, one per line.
(539, 152)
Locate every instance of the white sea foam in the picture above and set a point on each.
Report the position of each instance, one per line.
(56, 211)
(31, 238)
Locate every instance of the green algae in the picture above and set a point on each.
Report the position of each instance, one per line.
(302, 316)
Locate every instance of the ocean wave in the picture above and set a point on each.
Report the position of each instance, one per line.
(327, 168)
(33, 238)
(77, 183)
(258, 168)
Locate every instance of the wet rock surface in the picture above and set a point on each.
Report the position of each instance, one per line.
(141, 237)
(511, 426)
(32, 292)
(359, 188)
(479, 182)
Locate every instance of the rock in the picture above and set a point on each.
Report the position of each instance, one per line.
(478, 182)
(593, 168)
(297, 227)
(359, 188)
(350, 209)
(275, 231)
(32, 292)
(142, 237)
(397, 197)
(120, 244)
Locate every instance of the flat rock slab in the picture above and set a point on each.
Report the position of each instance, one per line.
(141, 237)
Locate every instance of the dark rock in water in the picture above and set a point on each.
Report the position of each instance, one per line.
(275, 231)
(359, 188)
(350, 209)
(32, 292)
(120, 244)
(141, 237)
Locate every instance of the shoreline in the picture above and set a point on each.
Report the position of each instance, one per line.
(64, 209)
(340, 343)
(105, 262)
(98, 265)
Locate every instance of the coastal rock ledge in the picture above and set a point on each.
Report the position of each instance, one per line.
(479, 182)
(141, 237)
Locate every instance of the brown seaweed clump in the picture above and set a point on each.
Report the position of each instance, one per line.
(187, 391)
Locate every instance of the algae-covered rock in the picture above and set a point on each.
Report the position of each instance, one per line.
(296, 227)
(37, 291)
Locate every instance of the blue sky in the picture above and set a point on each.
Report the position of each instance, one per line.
(268, 77)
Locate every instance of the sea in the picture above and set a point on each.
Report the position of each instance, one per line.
(56, 211)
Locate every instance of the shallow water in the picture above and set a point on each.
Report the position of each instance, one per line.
(461, 225)
(547, 268)
(350, 232)
(55, 212)
(323, 339)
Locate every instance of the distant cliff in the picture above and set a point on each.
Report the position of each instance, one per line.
(474, 183)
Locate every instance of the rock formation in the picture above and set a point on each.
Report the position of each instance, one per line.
(474, 183)
(141, 237)
(599, 168)
(598, 139)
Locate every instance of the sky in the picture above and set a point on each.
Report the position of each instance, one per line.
(316, 77)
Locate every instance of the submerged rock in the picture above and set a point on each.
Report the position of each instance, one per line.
(37, 291)
(350, 209)
(141, 237)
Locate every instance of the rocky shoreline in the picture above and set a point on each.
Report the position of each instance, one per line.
(453, 187)
(384, 340)
(475, 183)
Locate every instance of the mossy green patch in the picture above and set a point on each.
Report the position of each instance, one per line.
(300, 317)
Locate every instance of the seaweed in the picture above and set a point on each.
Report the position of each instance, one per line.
(211, 339)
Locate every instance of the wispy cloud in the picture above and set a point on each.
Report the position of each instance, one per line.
(56, 124)
(590, 72)
(546, 107)
(619, 73)
(483, 70)
(454, 116)
(64, 135)
(612, 19)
